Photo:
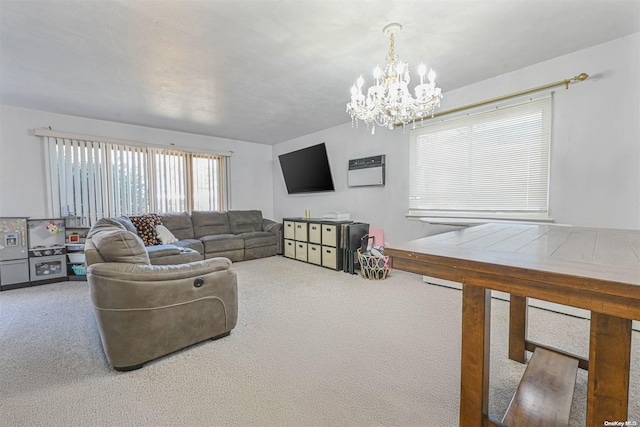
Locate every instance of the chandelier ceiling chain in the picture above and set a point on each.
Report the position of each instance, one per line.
(388, 102)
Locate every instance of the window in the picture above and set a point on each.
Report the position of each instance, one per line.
(94, 179)
(493, 164)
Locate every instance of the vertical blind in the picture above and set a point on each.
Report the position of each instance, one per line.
(94, 179)
(487, 164)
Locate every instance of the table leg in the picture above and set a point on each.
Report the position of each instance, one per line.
(474, 378)
(609, 362)
(517, 328)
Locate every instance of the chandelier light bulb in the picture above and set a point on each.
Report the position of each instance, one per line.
(432, 76)
(377, 73)
(422, 69)
(388, 102)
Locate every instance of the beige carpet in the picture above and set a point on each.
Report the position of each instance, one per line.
(313, 347)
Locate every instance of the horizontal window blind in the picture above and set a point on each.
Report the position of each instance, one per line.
(487, 164)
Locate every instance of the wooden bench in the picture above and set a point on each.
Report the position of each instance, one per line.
(545, 392)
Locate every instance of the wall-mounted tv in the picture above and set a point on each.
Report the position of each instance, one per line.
(307, 170)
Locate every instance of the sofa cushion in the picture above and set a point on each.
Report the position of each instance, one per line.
(186, 256)
(222, 243)
(258, 239)
(120, 246)
(245, 221)
(194, 244)
(158, 251)
(146, 228)
(206, 223)
(179, 224)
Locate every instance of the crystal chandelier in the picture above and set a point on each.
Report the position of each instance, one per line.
(388, 102)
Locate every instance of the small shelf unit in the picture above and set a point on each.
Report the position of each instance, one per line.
(314, 241)
(75, 236)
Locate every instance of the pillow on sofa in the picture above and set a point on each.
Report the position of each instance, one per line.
(120, 246)
(146, 228)
(165, 235)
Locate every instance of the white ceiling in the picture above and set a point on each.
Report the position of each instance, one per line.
(269, 71)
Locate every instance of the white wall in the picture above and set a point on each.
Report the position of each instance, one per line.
(381, 206)
(595, 159)
(22, 175)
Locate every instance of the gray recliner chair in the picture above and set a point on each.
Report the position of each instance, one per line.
(146, 311)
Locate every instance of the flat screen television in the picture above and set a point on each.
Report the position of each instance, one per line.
(307, 170)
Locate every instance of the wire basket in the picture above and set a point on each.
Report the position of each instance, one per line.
(374, 267)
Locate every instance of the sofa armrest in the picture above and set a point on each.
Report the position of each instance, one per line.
(275, 228)
(153, 273)
(271, 226)
(122, 286)
(91, 253)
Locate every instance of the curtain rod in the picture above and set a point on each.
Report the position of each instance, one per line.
(579, 78)
(47, 131)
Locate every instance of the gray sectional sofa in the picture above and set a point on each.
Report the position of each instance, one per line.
(237, 234)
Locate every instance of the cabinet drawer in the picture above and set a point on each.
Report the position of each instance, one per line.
(289, 248)
(329, 235)
(301, 231)
(329, 257)
(14, 272)
(315, 254)
(301, 251)
(289, 230)
(315, 234)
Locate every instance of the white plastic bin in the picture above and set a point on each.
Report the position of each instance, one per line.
(76, 258)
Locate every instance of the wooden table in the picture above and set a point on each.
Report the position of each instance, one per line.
(588, 268)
